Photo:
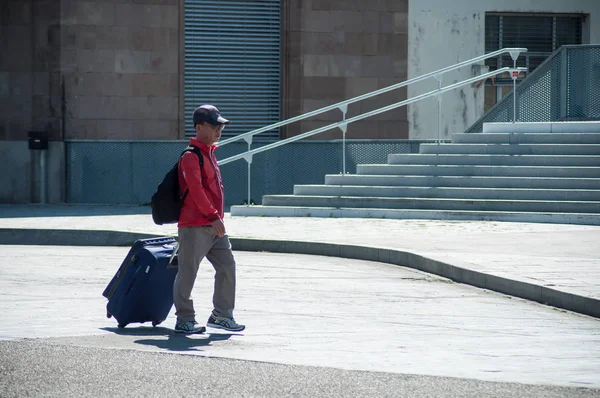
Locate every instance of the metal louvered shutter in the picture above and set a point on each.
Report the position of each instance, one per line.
(540, 33)
(232, 60)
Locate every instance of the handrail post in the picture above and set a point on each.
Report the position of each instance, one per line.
(248, 159)
(344, 128)
(439, 98)
(515, 92)
(563, 84)
(514, 55)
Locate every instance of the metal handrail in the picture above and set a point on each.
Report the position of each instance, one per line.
(532, 76)
(248, 155)
(343, 106)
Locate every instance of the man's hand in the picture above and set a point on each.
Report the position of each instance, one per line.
(218, 227)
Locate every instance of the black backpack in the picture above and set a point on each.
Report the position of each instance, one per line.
(166, 202)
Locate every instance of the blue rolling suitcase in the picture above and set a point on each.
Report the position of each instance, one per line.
(142, 289)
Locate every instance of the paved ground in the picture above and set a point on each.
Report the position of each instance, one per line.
(349, 316)
(317, 326)
(39, 369)
(36, 368)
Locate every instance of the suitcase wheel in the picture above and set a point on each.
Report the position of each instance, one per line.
(156, 323)
(121, 325)
(108, 314)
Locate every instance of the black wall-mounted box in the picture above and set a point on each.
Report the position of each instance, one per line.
(38, 140)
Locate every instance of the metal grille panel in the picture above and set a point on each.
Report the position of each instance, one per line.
(538, 99)
(232, 60)
(583, 84)
(128, 172)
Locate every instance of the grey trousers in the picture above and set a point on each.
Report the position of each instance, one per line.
(195, 243)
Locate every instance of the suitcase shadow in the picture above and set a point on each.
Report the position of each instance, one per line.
(174, 341)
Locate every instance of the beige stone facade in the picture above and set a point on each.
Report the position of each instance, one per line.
(29, 68)
(114, 69)
(120, 62)
(107, 69)
(335, 50)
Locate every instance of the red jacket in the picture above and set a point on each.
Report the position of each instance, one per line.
(204, 202)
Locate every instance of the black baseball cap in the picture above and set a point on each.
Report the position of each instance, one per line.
(209, 114)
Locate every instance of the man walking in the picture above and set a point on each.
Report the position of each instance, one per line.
(201, 229)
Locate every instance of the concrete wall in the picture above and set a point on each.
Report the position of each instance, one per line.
(441, 35)
(16, 180)
(335, 50)
(21, 180)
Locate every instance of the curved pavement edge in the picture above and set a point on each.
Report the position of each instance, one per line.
(541, 294)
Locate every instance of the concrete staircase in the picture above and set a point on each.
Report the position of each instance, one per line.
(531, 172)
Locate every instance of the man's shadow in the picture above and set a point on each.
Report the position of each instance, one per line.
(175, 341)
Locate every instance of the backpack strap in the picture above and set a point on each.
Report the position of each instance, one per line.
(195, 150)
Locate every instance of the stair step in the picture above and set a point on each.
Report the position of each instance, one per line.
(526, 138)
(570, 127)
(479, 170)
(449, 192)
(508, 216)
(462, 181)
(543, 173)
(434, 203)
(511, 149)
(495, 160)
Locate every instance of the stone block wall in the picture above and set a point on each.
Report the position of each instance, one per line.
(121, 66)
(334, 50)
(90, 69)
(84, 69)
(29, 59)
(113, 69)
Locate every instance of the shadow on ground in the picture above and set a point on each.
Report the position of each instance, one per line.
(167, 339)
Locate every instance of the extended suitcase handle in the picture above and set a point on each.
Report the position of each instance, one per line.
(174, 255)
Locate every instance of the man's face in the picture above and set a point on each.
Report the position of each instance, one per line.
(208, 133)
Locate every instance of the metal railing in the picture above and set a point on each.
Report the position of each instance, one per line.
(562, 88)
(343, 107)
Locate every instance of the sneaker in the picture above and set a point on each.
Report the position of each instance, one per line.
(189, 327)
(224, 323)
